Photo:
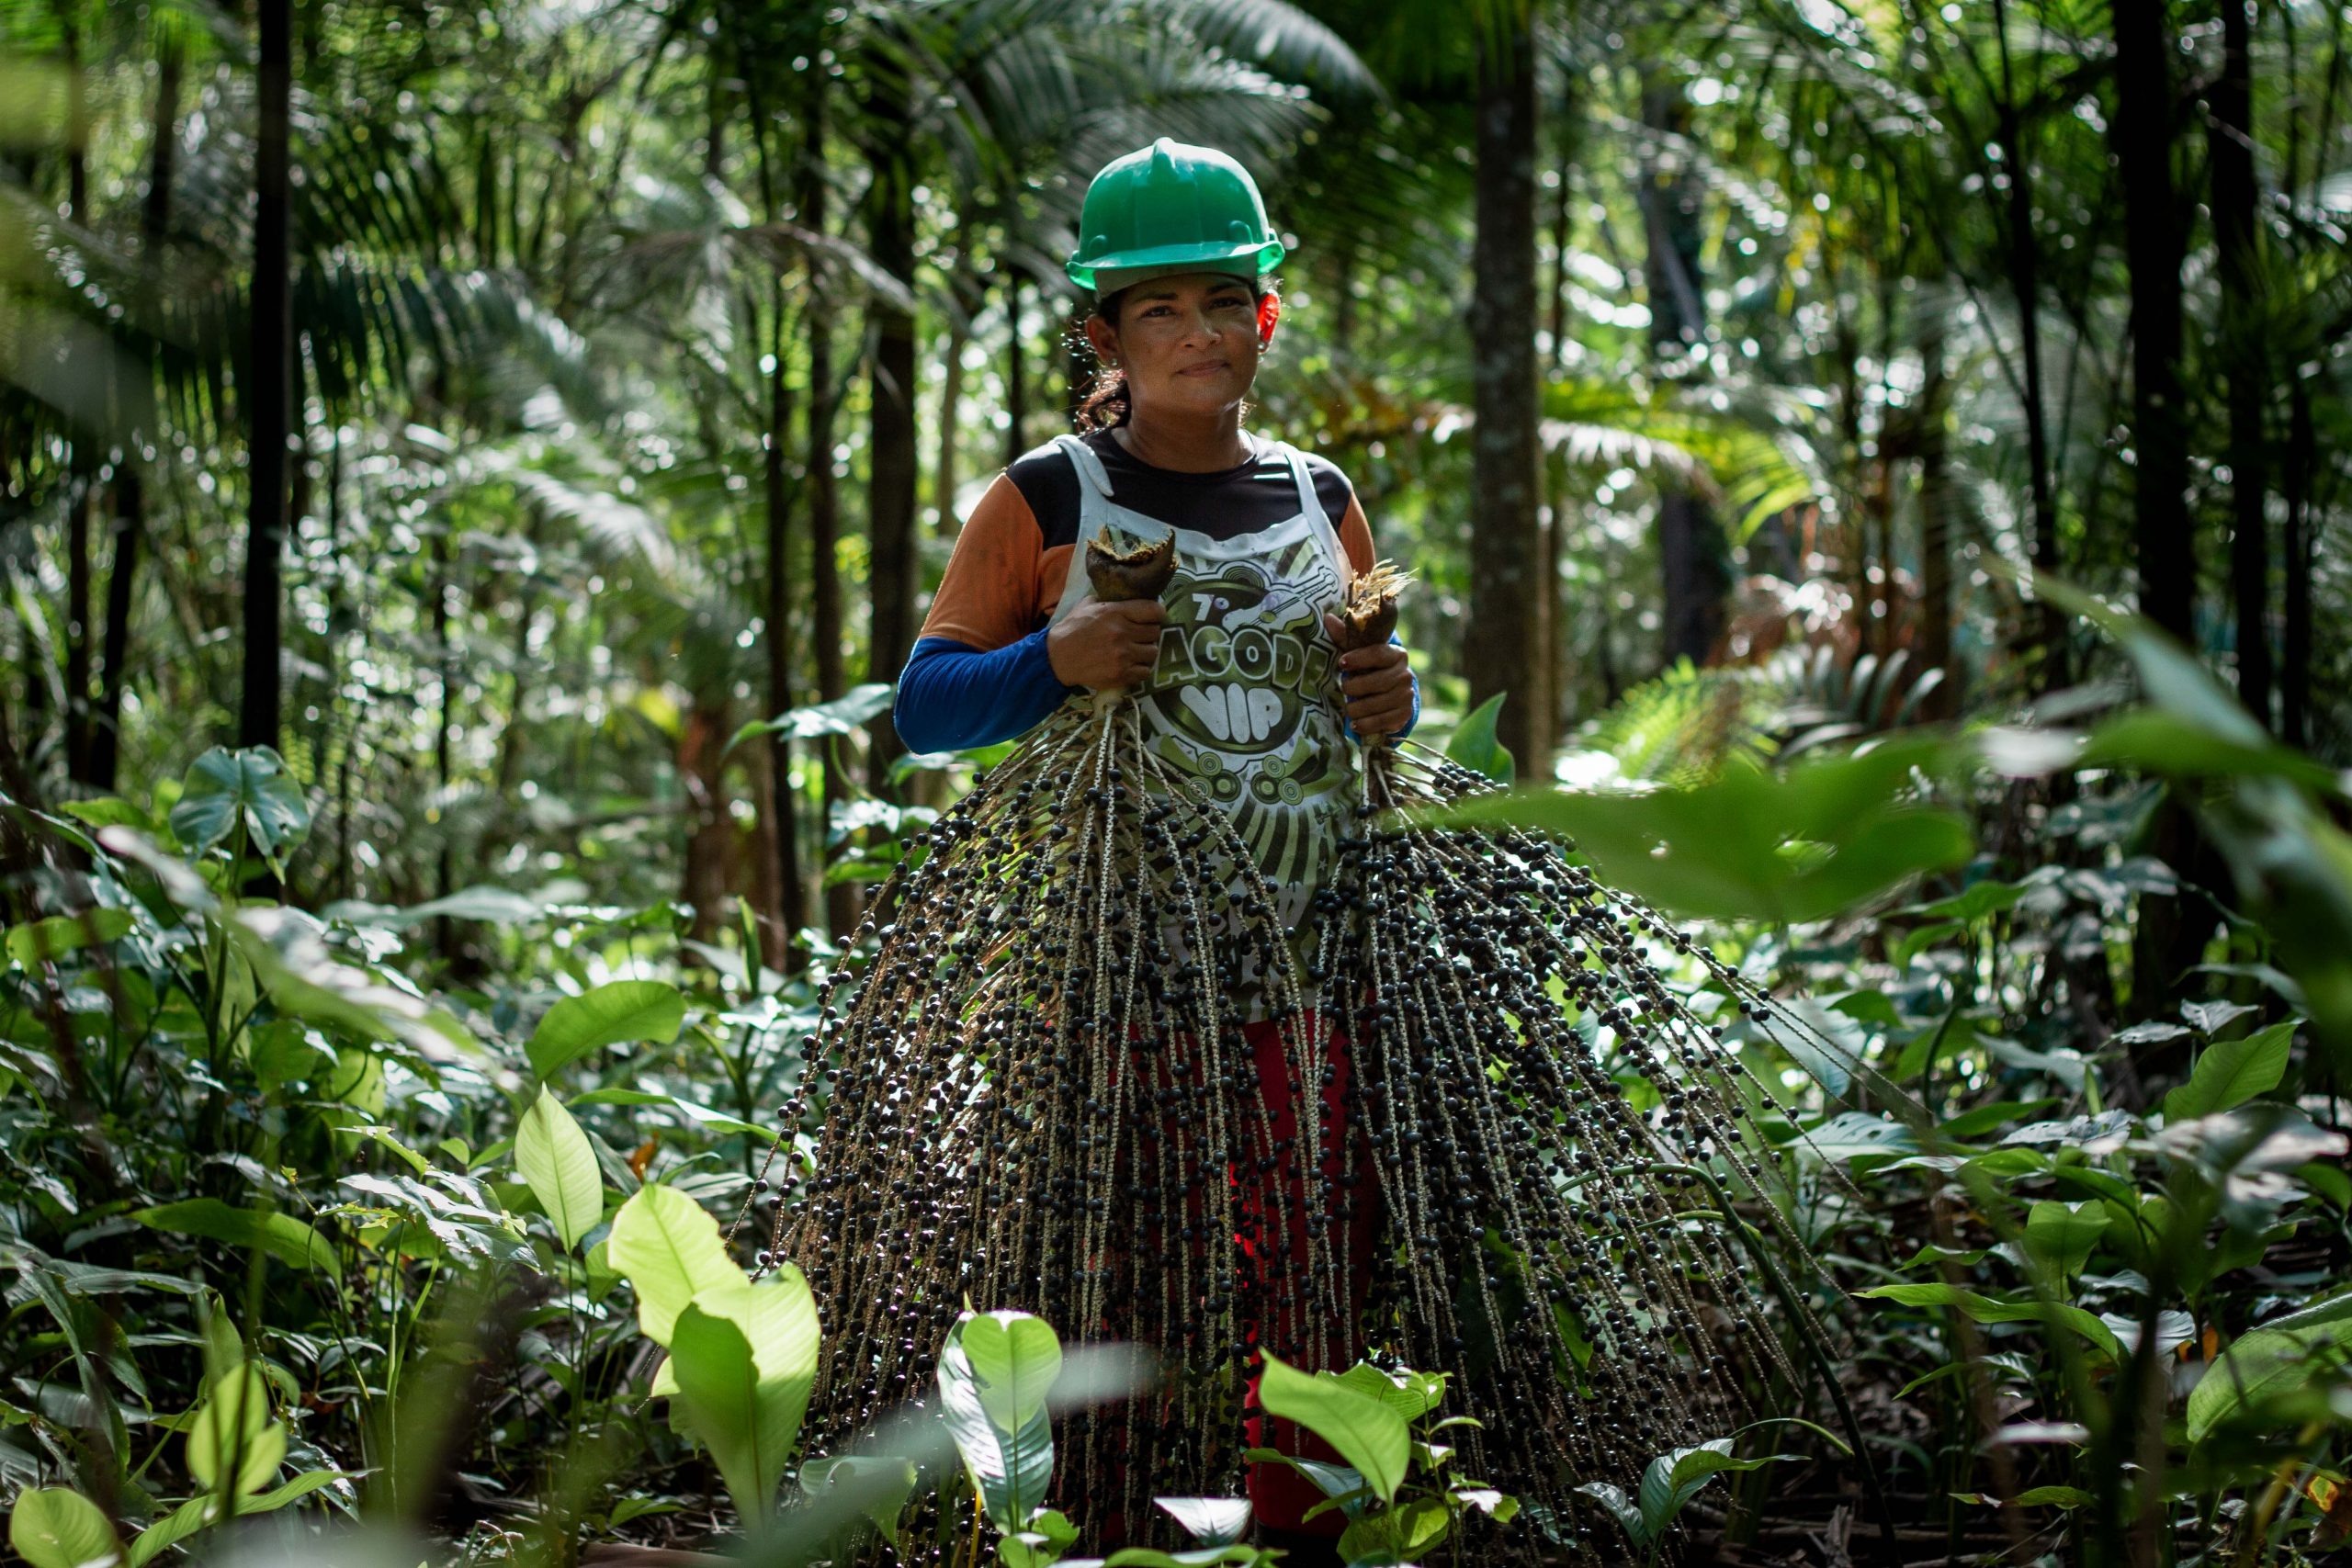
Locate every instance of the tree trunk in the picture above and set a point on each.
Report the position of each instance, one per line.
(83, 495)
(2142, 133)
(444, 743)
(2024, 292)
(824, 516)
(710, 832)
(1504, 643)
(2295, 670)
(1016, 385)
(106, 729)
(890, 447)
(791, 908)
(268, 369)
(2230, 157)
(1697, 576)
(951, 406)
(129, 488)
(1935, 521)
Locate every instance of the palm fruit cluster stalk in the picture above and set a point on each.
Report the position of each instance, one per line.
(1554, 1247)
(1037, 1095)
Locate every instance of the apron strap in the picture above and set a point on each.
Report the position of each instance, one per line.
(1310, 506)
(1088, 462)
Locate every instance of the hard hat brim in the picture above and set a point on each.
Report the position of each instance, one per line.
(1241, 258)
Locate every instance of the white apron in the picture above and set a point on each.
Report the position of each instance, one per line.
(1244, 699)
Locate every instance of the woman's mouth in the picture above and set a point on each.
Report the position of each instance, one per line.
(1214, 367)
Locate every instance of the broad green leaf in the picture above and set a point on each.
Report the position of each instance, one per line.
(612, 1013)
(1048, 1534)
(1987, 1309)
(1015, 1358)
(1342, 1488)
(223, 788)
(2051, 1497)
(1369, 1435)
(52, 1527)
(1978, 900)
(233, 1427)
(2280, 1357)
(1212, 1521)
(1620, 1508)
(2232, 1072)
(1672, 1479)
(294, 1491)
(283, 1236)
(555, 1157)
(1411, 1394)
(844, 715)
(1397, 1535)
(174, 1527)
(1749, 844)
(34, 941)
(667, 1246)
(750, 1438)
(2062, 1235)
(1475, 746)
(778, 1318)
(200, 1511)
(999, 1419)
(492, 906)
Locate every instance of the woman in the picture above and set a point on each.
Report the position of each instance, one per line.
(1236, 666)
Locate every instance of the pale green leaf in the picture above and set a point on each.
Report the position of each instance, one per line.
(557, 1159)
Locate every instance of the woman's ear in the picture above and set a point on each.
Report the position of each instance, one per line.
(1269, 310)
(1104, 339)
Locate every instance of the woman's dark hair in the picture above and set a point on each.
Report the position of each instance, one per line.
(1106, 405)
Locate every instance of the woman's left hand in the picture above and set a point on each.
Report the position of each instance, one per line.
(1378, 685)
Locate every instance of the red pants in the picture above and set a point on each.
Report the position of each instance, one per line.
(1273, 1206)
(1279, 1494)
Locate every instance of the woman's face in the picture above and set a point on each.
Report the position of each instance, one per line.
(1189, 343)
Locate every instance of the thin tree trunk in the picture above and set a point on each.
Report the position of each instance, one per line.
(951, 404)
(2295, 670)
(792, 907)
(82, 482)
(444, 741)
(1016, 385)
(890, 447)
(1504, 643)
(106, 730)
(824, 519)
(82, 465)
(268, 369)
(2229, 158)
(2024, 255)
(1691, 549)
(784, 901)
(2142, 136)
(129, 488)
(1935, 521)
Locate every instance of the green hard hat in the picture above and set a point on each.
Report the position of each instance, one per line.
(1168, 207)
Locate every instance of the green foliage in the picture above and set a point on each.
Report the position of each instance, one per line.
(1751, 845)
(54, 1527)
(618, 1011)
(1398, 1489)
(1474, 745)
(554, 1157)
(994, 1374)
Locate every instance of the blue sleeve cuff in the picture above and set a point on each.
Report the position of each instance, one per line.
(1394, 641)
(952, 696)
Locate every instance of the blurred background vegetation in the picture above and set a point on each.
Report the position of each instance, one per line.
(540, 426)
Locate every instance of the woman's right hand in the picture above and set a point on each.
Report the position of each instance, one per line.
(1106, 647)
